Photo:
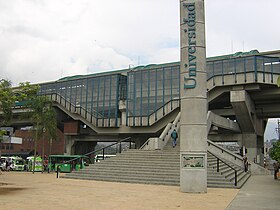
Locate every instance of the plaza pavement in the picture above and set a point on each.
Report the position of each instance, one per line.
(22, 190)
(259, 193)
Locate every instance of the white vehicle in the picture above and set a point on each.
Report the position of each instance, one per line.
(99, 157)
(17, 164)
(3, 163)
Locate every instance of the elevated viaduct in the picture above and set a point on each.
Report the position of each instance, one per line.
(140, 102)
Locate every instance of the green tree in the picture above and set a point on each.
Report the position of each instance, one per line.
(275, 151)
(41, 112)
(7, 101)
(49, 127)
(2, 133)
(44, 120)
(26, 92)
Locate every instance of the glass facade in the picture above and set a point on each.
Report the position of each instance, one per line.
(147, 90)
(243, 65)
(150, 89)
(97, 96)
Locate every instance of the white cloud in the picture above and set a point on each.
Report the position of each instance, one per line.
(237, 24)
(42, 40)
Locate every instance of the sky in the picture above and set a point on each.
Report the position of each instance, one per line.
(271, 131)
(44, 40)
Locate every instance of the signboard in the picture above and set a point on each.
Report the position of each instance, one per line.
(190, 32)
(12, 140)
(193, 161)
(193, 94)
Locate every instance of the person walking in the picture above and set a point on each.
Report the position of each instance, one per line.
(276, 169)
(174, 137)
(246, 163)
(8, 164)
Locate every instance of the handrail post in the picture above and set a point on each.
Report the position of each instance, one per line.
(120, 148)
(130, 144)
(103, 153)
(235, 177)
(218, 168)
(57, 171)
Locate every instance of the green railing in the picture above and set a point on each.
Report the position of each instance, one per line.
(259, 66)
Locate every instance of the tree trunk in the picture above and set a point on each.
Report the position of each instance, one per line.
(35, 148)
(43, 153)
(50, 151)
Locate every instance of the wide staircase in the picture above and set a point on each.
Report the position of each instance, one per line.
(158, 167)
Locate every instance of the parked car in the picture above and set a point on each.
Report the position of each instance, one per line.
(38, 164)
(3, 163)
(17, 163)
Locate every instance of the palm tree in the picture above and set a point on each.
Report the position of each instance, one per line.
(49, 128)
(43, 116)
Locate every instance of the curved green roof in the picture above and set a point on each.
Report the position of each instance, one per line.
(150, 66)
(234, 55)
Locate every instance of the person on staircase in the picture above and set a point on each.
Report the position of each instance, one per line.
(174, 137)
(246, 163)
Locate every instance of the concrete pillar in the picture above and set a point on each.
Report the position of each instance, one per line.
(252, 128)
(254, 145)
(69, 143)
(122, 108)
(244, 110)
(249, 140)
(260, 150)
(193, 128)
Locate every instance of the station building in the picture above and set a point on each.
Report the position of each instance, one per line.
(139, 102)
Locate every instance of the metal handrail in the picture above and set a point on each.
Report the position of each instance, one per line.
(235, 171)
(77, 107)
(224, 150)
(94, 151)
(165, 133)
(154, 111)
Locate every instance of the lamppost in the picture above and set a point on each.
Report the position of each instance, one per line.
(1, 132)
(130, 67)
(43, 150)
(9, 132)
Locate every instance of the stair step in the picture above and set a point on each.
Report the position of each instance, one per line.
(125, 172)
(141, 163)
(154, 182)
(156, 167)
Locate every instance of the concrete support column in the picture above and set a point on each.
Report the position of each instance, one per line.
(244, 110)
(260, 150)
(193, 128)
(122, 108)
(249, 141)
(69, 143)
(254, 145)
(252, 128)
